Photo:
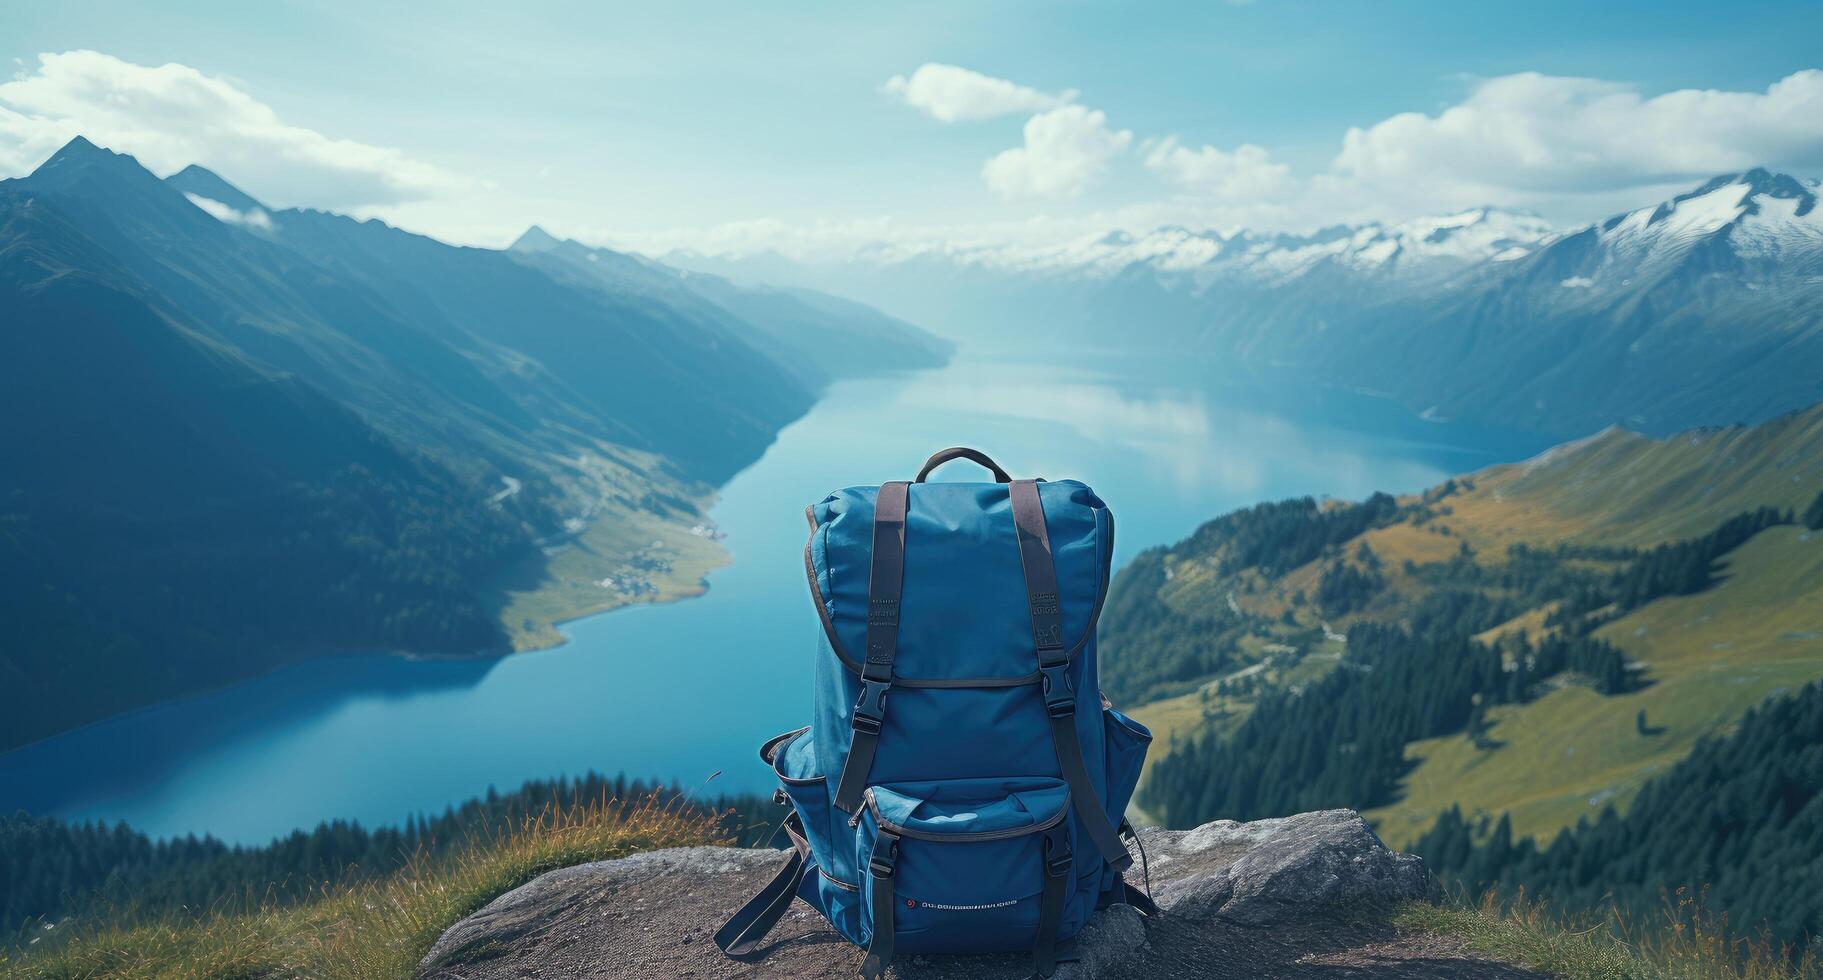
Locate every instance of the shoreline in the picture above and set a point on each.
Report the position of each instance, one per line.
(710, 554)
(614, 546)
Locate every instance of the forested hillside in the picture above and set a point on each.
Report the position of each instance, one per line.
(235, 437)
(1738, 824)
(1525, 647)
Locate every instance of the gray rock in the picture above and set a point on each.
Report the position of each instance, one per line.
(1268, 871)
(1253, 899)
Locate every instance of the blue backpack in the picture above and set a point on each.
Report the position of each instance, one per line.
(962, 786)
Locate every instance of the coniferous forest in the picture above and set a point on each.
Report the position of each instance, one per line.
(1341, 742)
(1741, 817)
(50, 868)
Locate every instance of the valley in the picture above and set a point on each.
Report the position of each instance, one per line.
(317, 443)
(295, 428)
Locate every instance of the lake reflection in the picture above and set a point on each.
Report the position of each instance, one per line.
(687, 690)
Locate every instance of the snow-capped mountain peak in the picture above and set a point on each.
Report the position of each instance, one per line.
(1425, 245)
(1761, 214)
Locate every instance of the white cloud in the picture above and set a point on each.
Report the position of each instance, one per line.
(1066, 150)
(252, 217)
(1247, 173)
(952, 94)
(1521, 136)
(172, 115)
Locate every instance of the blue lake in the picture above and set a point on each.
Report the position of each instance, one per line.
(687, 690)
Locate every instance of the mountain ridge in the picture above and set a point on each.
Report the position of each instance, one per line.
(329, 475)
(1704, 309)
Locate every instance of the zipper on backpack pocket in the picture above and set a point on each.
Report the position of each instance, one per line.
(965, 837)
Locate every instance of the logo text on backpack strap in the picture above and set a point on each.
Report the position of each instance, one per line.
(882, 616)
(1047, 621)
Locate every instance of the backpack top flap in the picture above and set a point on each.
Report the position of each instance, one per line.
(963, 613)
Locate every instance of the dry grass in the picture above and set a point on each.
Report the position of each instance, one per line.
(366, 931)
(1686, 943)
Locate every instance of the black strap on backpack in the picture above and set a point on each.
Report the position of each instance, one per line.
(884, 582)
(880, 868)
(741, 936)
(1058, 860)
(1054, 666)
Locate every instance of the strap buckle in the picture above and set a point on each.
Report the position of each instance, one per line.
(885, 852)
(870, 707)
(1059, 693)
(1058, 857)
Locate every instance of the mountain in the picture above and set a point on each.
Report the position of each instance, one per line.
(820, 336)
(236, 436)
(644, 373)
(1529, 645)
(1154, 288)
(1704, 309)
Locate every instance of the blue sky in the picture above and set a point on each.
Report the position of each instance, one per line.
(734, 124)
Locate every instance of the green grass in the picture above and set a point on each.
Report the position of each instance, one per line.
(1623, 488)
(370, 931)
(1709, 657)
(1686, 944)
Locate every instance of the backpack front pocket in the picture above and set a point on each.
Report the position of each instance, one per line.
(966, 866)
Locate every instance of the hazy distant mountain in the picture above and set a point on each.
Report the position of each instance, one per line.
(234, 436)
(1703, 309)
(1706, 309)
(1150, 289)
(819, 335)
(518, 348)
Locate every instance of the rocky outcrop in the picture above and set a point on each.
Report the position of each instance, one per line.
(1292, 897)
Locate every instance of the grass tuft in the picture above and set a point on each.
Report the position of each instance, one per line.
(1688, 943)
(364, 931)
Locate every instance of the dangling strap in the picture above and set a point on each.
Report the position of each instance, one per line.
(880, 867)
(1145, 873)
(1057, 864)
(1130, 895)
(884, 581)
(744, 930)
(1054, 665)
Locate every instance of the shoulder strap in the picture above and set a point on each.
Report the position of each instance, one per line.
(885, 580)
(1054, 665)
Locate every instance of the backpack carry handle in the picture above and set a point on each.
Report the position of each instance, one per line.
(962, 452)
